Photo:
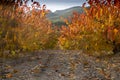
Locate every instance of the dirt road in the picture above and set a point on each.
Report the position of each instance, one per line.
(60, 65)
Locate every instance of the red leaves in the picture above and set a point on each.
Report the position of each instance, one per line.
(88, 29)
(110, 34)
(104, 2)
(90, 2)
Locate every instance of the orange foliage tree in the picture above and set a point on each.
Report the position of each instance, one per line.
(25, 28)
(36, 30)
(94, 31)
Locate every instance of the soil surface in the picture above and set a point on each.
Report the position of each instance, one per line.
(60, 65)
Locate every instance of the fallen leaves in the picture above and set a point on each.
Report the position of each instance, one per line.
(9, 75)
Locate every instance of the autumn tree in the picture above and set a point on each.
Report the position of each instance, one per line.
(13, 2)
(104, 2)
(97, 31)
(115, 4)
(25, 29)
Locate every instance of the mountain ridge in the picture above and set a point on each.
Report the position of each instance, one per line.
(64, 13)
(55, 17)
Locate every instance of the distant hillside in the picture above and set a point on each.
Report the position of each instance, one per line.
(55, 16)
(69, 11)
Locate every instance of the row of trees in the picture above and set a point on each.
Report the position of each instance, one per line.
(23, 29)
(97, 31)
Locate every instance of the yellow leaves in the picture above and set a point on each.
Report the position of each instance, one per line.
(36, 35)
(102, 27)
(91, 29)
(115, 31)
(13, 53)
(62, 40)
(15, 38)
(110, 20)
(80, 37)
(97, 15)
(43, 14)
(101, 12)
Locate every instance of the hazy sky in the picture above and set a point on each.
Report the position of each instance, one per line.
(54, 5)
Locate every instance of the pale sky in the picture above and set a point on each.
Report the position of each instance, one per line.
(54, 5)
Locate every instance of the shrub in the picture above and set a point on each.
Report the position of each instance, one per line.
(93, 31)
(8, 33)
(25, 29)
